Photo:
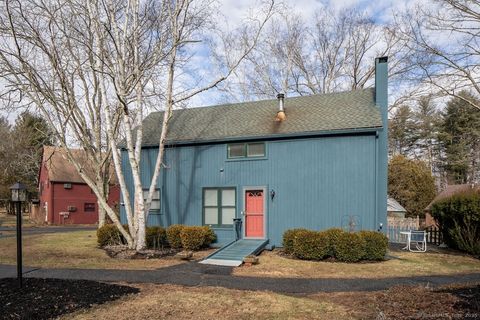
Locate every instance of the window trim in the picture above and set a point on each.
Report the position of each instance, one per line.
(218, 206)
(89, 203)
(245, 155)
(155, 211)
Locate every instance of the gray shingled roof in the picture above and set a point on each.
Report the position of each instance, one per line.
(394, 206)
(342, 111)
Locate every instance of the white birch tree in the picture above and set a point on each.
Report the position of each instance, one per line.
(94, 67)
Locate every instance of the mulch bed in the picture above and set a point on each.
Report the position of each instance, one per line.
(122, 252)
(280, 252)
(51, 298)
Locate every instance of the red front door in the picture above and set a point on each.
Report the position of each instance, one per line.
(254, 214)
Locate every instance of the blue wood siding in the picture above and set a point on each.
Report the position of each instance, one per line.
(318, 182)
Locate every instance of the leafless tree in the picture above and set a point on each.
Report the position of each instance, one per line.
(333, 54)
(44, 62)
(95, 67)
(445, 38)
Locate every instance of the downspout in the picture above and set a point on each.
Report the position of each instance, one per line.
(381, 101)
(376, 182)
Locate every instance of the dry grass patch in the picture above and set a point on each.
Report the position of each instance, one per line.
(8, 220)
(77, 249)
(410, 302)
(400, 264)
(177, 302)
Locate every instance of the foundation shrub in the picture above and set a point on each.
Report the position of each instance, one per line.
(350, 247)
(109, 235)
(376, 244)
(173, 235)
(156, 237)
(310, 245)
(193, 237)
(288, 238)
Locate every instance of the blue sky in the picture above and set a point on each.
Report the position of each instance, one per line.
(382, 11)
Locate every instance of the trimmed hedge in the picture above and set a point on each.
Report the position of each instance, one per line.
(173, 235)
(350, 247)
(376, 244)
(156, 237)
(193, 237)
(458, 218)
(311, 245)
(288, 238)
(108, 235)
(210, 236)
(333, 235)
(335, 243)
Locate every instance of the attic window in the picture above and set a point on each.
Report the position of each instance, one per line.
(246, 150)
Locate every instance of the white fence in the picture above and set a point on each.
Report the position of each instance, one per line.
(396, 225)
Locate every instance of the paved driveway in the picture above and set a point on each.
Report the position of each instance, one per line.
(195, 274)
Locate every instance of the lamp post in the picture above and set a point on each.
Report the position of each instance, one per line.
(19, 195)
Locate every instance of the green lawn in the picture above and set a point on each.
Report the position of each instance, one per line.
(212, 303)
(8, 220)
(178, 302)
(79, 250)
(76, 249)
(398, 264)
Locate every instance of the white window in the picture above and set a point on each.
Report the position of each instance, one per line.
(219, 206)
(155, 205)
(246, 150)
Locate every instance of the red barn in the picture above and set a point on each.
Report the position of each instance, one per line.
(63, 195)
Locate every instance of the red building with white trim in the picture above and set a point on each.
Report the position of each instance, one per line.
(63, 195)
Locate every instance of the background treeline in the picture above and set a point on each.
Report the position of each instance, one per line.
(21, 151)
(446, 136)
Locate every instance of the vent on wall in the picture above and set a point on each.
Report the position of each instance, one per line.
(67, 186)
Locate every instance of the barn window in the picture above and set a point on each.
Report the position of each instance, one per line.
(155, 204)
(246, 150)
(89, 207)
(219, 206)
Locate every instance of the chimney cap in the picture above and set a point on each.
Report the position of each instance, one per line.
(382, 59)
(280, 96)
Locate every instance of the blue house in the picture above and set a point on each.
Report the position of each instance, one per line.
(316, 161)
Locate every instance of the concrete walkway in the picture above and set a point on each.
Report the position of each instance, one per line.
(195, 274)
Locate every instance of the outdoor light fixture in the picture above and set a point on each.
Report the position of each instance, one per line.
(272, 194)
(19, 192)
(19, 195)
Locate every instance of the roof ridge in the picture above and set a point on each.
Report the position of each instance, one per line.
(346, 110)
(316, 95)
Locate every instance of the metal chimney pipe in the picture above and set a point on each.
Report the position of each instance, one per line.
(281, 109)
(280, 98)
